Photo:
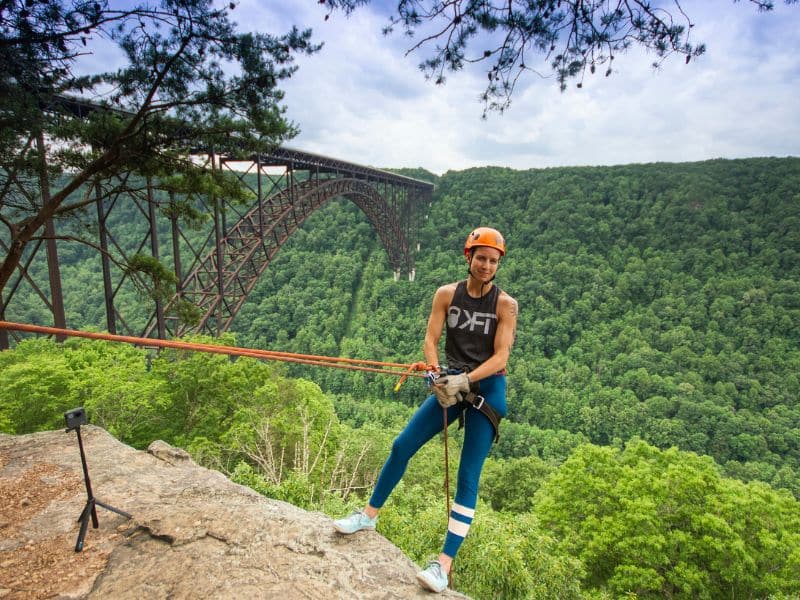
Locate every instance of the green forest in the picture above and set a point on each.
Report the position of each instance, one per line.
(652, 445)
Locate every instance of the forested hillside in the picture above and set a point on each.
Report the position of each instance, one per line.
(653, 439)
(656, 301)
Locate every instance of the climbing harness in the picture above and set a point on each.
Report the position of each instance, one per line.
(479, 403)
(472, 399)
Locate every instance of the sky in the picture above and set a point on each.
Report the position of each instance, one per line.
(362, 99)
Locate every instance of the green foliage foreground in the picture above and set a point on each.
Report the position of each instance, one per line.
(633, 521)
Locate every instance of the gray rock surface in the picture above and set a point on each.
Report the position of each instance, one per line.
(194, 533)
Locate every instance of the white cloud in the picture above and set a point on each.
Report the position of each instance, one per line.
(361, 99)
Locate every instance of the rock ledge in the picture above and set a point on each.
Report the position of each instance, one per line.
(193, 534)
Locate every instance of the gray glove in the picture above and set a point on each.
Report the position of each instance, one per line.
(444, 399)
(453, 384)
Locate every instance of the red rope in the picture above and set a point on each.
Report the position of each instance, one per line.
(387, 368)
(447, 487)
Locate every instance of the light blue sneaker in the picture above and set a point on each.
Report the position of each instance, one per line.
(433, 578)
(355, 522)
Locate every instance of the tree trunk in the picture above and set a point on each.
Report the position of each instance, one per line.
(25, 230)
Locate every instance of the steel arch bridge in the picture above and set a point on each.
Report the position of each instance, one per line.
(219, 282)
(216, 274)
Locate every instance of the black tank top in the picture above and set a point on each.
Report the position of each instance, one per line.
(471, 327)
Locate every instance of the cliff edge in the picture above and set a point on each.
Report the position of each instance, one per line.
(193, 533)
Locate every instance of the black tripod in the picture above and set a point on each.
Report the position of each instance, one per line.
(91, 502)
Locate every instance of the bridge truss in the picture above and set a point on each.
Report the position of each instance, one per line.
(289, 186)
(215, 272)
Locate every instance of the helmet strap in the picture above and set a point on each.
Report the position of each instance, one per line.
(469, 272)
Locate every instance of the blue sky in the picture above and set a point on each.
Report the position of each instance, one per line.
(361, 99)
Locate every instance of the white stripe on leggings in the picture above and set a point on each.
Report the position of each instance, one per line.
(458, 528)
(463, 510)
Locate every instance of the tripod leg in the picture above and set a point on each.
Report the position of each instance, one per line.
(88, 509)
(84, 512)
(112, 509)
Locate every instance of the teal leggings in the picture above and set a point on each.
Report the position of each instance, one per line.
(478, 438)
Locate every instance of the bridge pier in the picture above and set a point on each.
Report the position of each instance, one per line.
(411, 274)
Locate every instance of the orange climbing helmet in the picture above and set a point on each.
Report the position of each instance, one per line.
(485, 236)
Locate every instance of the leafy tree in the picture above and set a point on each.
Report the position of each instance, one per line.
(658, 524)
(512, 556)
(172, 91)
(115, 383)
(36, 387)
(510, 485)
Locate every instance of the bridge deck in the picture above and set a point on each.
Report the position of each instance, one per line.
(301, 160)
(281, 156)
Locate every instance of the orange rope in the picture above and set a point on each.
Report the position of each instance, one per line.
(417, 366)
(388, 368)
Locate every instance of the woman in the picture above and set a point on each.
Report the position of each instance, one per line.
(480, 321)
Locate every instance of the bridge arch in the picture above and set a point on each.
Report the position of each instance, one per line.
(221, 282)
